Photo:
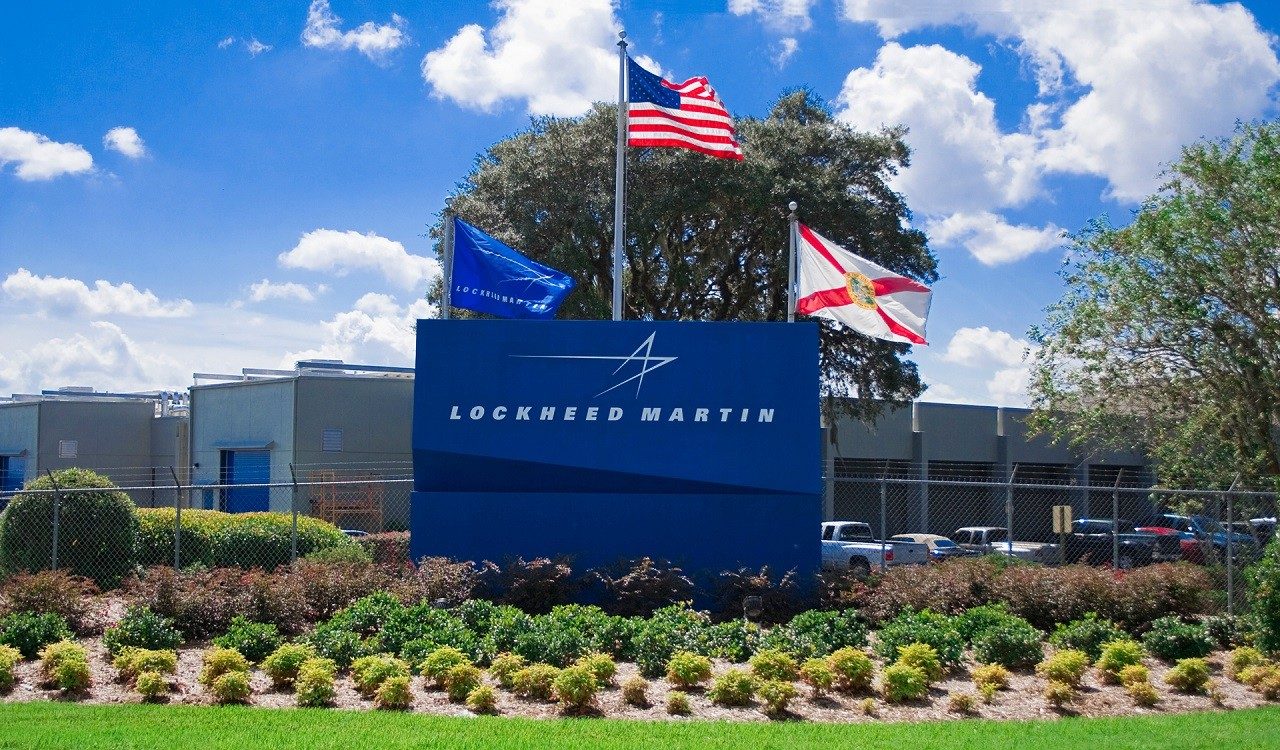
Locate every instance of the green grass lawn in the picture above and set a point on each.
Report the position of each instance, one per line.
(62, 725)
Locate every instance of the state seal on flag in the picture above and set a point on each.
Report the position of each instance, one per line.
(861, 290)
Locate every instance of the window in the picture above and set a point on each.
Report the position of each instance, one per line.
(331, 440)
(68, 448)
(997, 535)
(826, 532)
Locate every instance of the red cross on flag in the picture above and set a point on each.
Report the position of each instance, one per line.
(840, 286)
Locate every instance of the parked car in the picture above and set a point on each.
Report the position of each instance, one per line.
(1210, 534)
(1264, 529)
(850, 545)
(940, 547)
(1191, 550)
(994, 540)
(1096, 540)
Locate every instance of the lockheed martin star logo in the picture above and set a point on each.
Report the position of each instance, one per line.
(643, 355)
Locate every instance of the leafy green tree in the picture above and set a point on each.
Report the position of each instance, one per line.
(707, 238)
(1167, 338)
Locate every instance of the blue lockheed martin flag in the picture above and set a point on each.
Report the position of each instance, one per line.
(490, 277)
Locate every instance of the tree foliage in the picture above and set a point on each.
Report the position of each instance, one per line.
(707, 238)
(1168, 336)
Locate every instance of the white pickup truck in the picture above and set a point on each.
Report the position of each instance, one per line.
(995, 540)
(850, 545)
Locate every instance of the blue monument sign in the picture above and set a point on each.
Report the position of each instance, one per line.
(692, 442)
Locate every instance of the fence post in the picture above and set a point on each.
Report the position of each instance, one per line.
(1008, 511)
(1115, 521)
(57, 512)
(1231, 598)
(177, 520)
(884, 511)
(293, 507)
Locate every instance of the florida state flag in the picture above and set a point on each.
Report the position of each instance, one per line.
(836, 284)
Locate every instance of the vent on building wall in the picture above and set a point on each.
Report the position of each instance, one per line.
(331, 440)
(68, 448)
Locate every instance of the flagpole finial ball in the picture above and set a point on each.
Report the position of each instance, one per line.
(793, 205)
(622, 34)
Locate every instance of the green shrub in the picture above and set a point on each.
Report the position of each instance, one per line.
(504, 666)
(600, 665)
(342, 646)
(852, 668)
(483, 700)
(995, 676)
(9, 658)
(152, 686)
(132, 662)
(1059, 693)
(219, 661)
(670, 629)
(65, 665)
(988, 691)
(1013, 643)
(141, 628)
(776, 695)
(568, 632)
(369, 672)
(575, 687)
(1171, 639)
(1241, 659)
(460, 680)
(867, 706)
(282, 665)
(817, 674)
(72, 676)
(678, 703)
(737, 640)
(394, 693)
(29, 632)
(246, 540)
(975, 621)
(771, 664)
(314, 685)
(635, 691)
(925, 627)
(255, 640)
(1143, 693)
(962, 703)
(439, 662)
(687, 670)
(903, 682)
(817, 633)
(1117, 655)
(1088, 634)
(231, 687)
(534, 681)
(736, 687)
(97, 530)
(416, 631)
(1226, 631)
(1264, 597)
(354, 553)
(1189, 675)
(923, 657)
(1069, 666)
(1133, 673)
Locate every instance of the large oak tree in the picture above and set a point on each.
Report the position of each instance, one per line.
(706, 239)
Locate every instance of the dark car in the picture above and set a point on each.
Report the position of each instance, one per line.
(1093, 541)
(1210, 534)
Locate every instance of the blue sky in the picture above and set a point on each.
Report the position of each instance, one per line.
(192, 187)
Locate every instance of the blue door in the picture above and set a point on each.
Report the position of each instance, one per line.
(246, 467)
(13, 470)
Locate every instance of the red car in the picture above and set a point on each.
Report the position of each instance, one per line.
(1191, 550)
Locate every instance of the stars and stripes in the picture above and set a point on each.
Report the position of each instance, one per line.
(685, 115)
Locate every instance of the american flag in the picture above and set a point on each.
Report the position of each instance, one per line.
(678, 115)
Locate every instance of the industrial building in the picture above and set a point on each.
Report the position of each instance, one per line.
(321, 422)
(975, 458)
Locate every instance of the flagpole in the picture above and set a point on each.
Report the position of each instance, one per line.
(791, 264)
(446, 300)
(620, 178)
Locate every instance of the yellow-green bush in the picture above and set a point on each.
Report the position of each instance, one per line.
(231, 687)
(283, 664)
(314, 684)
(1241, 659)
(369, 672)
(247, 540)
(686, 669)
(394, 693)
(483, 700)
(534, 681)
(152, 686)
(1132, 674)
(635, 691)
(903, 682)
(1189, 675)
(924, 657)
(131, 662)
(439, 662)
(818, 675)
(1117, 655)
(1142, 693)
(1068, 665)
(853, 669)
(735, 687)
(992, 675)
(678, 703)
(772, 664)
(9, 658)
(219, 661)
(600, 665)
(575, 687)
(461, 680)
(776, 695)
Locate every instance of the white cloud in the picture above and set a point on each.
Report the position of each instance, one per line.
(558, 57)
(255, 47)
(1154, 75)
(39, 158)
(340, 252)
(784, 49)
(377, 329)
(960, 160)
(997, 357)
(61, 296)
(226, 42)
(782, 15)
(266, 290)
(103, 357)
(126, 141)
(991, 239)
(374, 41)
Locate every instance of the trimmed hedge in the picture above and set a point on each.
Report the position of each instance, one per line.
(246, 540)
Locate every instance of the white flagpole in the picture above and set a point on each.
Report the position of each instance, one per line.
(791, 265)
(446, 301)
(620, 178)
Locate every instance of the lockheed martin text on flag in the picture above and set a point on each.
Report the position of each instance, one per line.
(489, 277)
(678, 115)
(871, 299)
